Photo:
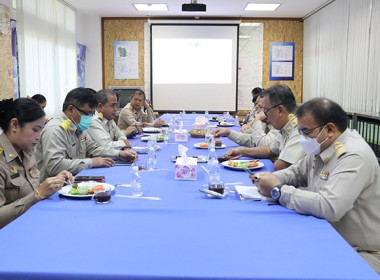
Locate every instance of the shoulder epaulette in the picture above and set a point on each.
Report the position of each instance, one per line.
(339, 148)
(1, 150)
(293, 120)
(66, 124)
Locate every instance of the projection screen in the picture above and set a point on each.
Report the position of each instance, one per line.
(194, 67)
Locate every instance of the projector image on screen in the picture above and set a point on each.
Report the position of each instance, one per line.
(193, 7)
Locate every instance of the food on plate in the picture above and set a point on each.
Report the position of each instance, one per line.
(197, 133)
(243, 164)
(203, 145)
(218, 143)
(84, 189)
(160, 137)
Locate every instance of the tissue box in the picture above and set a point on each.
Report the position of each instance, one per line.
(198, 125)
(181, 136)
(185, 170)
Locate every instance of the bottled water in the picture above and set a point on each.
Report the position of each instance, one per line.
(207, 130)
(136, 187)
(206, 114)
(151, 142)
(151, 160)
(237, 123)
(183, 114)
(212, 159)
(214, 182)
(211, 143)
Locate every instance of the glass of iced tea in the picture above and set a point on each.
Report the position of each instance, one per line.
(102, 195)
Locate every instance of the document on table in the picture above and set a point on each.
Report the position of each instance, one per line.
(251, 193)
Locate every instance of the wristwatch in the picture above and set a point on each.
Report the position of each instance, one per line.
(276, 192)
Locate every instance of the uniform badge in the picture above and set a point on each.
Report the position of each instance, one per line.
(324, 175)
(293, 120)
(83, 139)
(33, 171)
(14, 172)
(1, 150)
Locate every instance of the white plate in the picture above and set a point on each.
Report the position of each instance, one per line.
(197, 145)
(146, 138)
(65, 190)
(226, 124)
(213, 194)
(151, 130)
(225, 164)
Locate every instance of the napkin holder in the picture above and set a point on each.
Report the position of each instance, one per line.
(185, 170)
(181, 135)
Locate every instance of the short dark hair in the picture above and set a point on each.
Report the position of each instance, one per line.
(139, 92)
(39, 98)
(281, 94)
(256, 93)
(25, 110)
(324, 111)
(79, 97)
(101, 95)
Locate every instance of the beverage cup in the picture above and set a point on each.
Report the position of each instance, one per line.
(102, 195)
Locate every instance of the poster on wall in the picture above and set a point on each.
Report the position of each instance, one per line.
(16, 92)
(281, 61)
(81, 65)
(126, 64)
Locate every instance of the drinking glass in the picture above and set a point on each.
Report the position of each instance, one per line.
(102, 195)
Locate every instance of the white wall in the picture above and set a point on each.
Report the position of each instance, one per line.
(8, 3)
(89, 34)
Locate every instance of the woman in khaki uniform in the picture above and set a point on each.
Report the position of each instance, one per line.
(22, 121)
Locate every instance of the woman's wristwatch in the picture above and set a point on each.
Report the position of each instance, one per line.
(276, 192)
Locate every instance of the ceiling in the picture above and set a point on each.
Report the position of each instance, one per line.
(215, 8)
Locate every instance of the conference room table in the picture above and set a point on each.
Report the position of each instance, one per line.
(185, 235)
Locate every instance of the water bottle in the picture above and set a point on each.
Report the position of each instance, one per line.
(151, 142)
(214, 182)
(237, 123)
(207, 130)
(212, 158)
(206, 114)
(151, 160)
(183, 114)
(211, 143)
(136, 187)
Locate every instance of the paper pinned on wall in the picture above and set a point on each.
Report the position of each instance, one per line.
(126, 64)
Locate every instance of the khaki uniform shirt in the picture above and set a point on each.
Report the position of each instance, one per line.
(106, 133)
(261, 135)
(129, 116)
(18, 180)
(287, 144)
(64, 147)
(341, 185)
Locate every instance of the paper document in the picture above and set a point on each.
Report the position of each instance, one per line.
(251, 193)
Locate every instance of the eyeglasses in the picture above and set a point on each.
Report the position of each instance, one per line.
(306, 132)
(267, 110)
(83, 112)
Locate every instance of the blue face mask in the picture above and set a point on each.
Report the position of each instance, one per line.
(85, 123)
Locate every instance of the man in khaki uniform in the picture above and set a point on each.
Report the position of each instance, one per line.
(338, 180)
(64, 147)
(279, 105)
(103, 129)
(138, 112)
(262, 133)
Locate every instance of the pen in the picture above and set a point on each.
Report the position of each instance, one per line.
(255, 177)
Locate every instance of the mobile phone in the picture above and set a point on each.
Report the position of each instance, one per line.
(90, 178)
(256, 178)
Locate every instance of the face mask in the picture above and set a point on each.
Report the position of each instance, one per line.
(85, 122)
(311, 145)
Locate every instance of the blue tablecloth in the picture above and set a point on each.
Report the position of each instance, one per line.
(186, 235)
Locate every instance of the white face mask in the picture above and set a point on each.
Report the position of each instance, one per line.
(311, 145)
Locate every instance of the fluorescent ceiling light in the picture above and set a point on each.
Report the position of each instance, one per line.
(261, 7)
(150, 7)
